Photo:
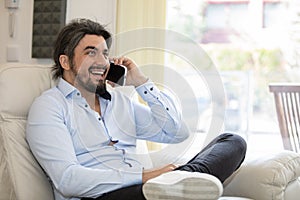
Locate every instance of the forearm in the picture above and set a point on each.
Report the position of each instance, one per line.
(70, 178)
(163, 118)
(80, 182)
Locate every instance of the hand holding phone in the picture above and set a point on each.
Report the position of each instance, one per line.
(117, 74)
(134, 76)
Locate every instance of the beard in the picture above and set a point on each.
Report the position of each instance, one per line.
(88, 85)
(101, 88)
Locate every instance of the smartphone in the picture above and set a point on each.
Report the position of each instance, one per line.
(117, 74)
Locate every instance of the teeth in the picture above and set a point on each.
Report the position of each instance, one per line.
(98, 73)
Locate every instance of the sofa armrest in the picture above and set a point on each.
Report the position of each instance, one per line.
(274, 176)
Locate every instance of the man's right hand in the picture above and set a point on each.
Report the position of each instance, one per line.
(149, 174)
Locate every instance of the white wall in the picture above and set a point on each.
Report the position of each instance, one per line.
(103, 11)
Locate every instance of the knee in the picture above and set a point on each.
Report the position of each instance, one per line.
(236, 141)
(240, 143)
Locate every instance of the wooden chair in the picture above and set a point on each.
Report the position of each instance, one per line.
(287, 101)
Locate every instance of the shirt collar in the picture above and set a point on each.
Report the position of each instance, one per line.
(65, 87)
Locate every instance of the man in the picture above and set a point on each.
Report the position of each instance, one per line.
(84, 136)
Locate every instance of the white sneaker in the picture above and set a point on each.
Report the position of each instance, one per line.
(183, 185)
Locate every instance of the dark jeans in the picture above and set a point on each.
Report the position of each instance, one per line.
(221, 157)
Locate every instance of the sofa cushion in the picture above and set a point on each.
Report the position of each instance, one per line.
(25, 179)
(21, 176)
(234, 198)
(20, 84)
(268, 177)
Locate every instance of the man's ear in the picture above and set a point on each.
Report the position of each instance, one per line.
(64, 62)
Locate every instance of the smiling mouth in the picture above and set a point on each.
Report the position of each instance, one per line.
(97, 70)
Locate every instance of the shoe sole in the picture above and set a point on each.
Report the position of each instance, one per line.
(204, 187)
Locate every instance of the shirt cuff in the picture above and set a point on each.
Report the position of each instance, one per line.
(148, 91)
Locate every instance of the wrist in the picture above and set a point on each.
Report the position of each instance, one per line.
(140, 81)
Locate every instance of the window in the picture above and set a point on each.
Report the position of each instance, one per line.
(272, 14)
(226, 15)
(246, 40)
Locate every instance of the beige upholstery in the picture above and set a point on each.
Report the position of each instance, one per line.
(21, 176)
(274, 177)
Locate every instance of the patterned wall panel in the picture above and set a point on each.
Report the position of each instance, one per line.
(48, 18)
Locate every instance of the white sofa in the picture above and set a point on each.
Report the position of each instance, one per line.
(269, 177)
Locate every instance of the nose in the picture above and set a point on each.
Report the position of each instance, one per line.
(102, 60)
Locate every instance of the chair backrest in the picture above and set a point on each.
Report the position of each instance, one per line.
(287, 101)
(21, 176)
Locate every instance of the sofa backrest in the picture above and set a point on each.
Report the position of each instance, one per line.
(21, 176)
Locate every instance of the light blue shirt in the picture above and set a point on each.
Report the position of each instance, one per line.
(71, 141)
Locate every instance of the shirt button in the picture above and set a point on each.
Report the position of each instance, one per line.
(99, 118)
(151, 89)
(167, 108)
(145, 92)
(78, 93)
(86, 105)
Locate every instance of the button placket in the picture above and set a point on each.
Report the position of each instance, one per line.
(124, 159)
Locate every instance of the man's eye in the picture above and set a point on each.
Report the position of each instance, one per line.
(92, 53)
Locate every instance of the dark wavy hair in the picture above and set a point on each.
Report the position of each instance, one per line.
(69, 37)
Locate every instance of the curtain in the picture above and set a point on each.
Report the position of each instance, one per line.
(134, 16)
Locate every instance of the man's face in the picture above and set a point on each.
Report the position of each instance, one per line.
(90, 64)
